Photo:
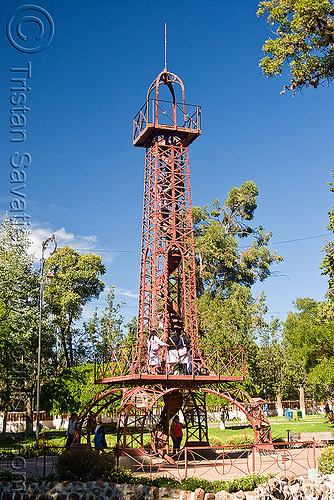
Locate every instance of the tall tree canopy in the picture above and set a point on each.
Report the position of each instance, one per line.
(105, 333)
(304, 32)
(76, 282)
(227, 265)
(327, 263)
(308, 338)
(270, 361)
(19, 291)
(220, 259)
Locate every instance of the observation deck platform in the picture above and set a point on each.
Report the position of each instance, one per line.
(166, 118)
(128, 366)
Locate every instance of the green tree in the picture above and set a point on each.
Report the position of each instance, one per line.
(304, 40)
(269, 374)
(226, 267)
(131, 337)
(309, 342)
(69, 391)
(104, 334)
(6, 347)
(19, 291)
(218, 232)
(327, 263)
(76, 282)
(231, 321)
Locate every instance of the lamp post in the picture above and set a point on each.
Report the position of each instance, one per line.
(41, 290)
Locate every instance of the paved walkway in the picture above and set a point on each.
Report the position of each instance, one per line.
(31, 467)
(223, 465)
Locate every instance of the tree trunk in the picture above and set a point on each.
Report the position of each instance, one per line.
(279, 403)
(4, 423)
(302, 400)
(69, 339)
(29, 417)
(63, 341)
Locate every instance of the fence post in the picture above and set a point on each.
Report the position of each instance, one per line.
(185, 462)
(253, 459)
(151, 459)
(44, 459)
(314, 460)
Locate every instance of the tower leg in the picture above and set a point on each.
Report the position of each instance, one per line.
(195, 413)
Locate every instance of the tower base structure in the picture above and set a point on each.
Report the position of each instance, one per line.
(145, 413)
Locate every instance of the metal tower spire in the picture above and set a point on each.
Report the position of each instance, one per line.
(165, 46)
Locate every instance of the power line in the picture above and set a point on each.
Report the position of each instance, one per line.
(137, 251)
(298, 239)
(96, 250)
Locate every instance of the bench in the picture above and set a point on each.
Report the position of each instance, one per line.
(318, 437)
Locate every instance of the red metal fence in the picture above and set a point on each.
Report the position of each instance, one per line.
(224, 463)
(213, 463)
(209, 362)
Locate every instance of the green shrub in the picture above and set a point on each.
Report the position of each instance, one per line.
(216, 441)
(7, 475)
(239, 440)
(247, 483)
(123, 476)
(326, 460)
(164, 482)
(192, 483)
(84, 464)
(32, 450)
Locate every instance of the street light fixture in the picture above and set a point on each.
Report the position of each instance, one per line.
(47, 279)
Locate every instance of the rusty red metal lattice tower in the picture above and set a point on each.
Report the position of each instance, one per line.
(167, 296)
(151, 389)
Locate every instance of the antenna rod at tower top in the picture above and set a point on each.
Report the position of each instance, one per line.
(165, 45)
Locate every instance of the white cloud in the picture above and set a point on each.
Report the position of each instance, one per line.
(81, 243)
(127, 293)
(53, 206)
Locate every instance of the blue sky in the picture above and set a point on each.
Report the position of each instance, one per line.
(85, 182)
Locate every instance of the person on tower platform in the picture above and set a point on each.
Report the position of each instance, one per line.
(153, 347)
(172, 352)
(183, 353)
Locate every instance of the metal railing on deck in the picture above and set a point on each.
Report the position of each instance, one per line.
(167, 113)
(205, 362)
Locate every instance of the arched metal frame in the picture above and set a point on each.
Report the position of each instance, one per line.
(87, 416)
(136, 415)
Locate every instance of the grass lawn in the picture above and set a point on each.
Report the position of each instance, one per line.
(279, 427)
